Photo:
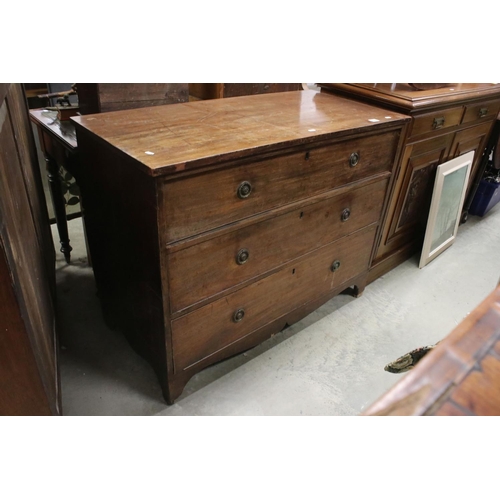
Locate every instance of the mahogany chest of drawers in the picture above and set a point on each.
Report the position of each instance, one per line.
(215, 224)
(446, 122)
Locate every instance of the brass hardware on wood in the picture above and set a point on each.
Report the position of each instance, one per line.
(483, 112)
(437, 123)
(308, 155)
(238, 315)
(346, 213)
(242, 256)
(335, 265)
(354, 159)
(244, 190)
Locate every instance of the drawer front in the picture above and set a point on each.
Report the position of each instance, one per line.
(210, 328)
(482, 111)
(195, 204)
(220, 263)
(437, 120)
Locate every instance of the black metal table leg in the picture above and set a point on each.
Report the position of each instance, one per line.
(59, 206)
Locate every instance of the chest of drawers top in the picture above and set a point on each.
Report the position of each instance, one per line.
(165, 140)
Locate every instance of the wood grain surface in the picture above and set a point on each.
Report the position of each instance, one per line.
(461, 376)
(189, 135)
(29, 376)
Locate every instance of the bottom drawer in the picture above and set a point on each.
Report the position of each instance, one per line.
(215, 326)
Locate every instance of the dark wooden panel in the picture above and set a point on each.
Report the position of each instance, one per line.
(115, 96)
(103, 97)
(241, 89)
(21, 388)
(221, 90)
(28, 159)
(27, 242)
(123, 242)
(88, 98)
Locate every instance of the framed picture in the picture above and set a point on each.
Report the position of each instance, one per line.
(446, 206)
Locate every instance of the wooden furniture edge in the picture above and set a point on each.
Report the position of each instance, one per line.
(419, 391)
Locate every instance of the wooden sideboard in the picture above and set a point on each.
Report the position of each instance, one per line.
(446, 122)
(215, 224)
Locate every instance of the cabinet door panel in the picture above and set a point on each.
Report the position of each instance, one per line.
(407, 214)
(471, 139)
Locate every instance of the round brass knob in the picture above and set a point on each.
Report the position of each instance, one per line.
(238, 315)
(346, 213)
(244, 190)
(354, 159)
(335, 265)
(242, 256)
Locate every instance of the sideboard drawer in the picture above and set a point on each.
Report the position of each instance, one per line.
(212, 266)
(482, 111)
(201, 333)
(199, 203)
(437, 120)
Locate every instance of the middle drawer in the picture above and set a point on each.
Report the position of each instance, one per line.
(211, 267)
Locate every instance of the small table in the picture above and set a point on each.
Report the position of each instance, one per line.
(59, 146)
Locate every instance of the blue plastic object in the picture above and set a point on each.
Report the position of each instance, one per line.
(486, 197)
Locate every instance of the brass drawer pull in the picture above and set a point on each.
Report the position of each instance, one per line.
(438, 123)
(346, 213)
(335, 265)
(244, 190)
(242, 256)
(483, 112)
(308, 155)
(238, 315)
(354, 159)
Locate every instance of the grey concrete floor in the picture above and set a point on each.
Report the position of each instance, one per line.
(330, 363)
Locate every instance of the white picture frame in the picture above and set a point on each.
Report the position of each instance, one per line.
(448, 197)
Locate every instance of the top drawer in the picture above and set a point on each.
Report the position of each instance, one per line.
(194, 204)
(482, 111)
(437, 120)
